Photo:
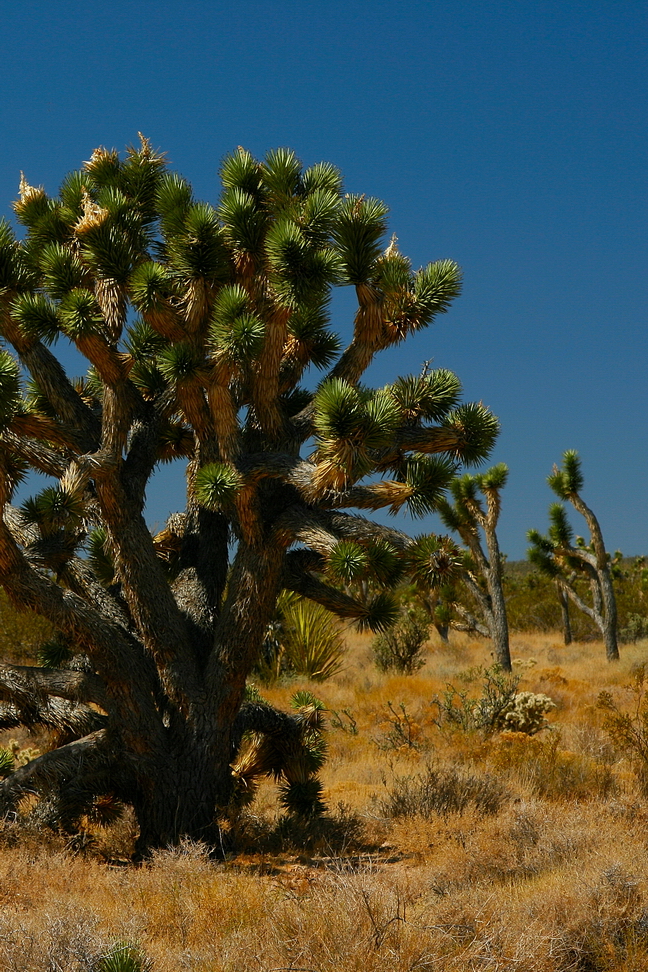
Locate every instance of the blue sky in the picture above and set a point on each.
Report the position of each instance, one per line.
(508, 136)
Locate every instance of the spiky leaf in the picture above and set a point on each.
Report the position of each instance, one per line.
(217, 485)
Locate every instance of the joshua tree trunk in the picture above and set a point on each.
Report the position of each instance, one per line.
(566, 620)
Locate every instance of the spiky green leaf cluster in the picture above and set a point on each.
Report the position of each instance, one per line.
(216, 485)
(433, 561)
(430, 396)
(429, 477)
(9, 387)
(54, 509)
(569, 480)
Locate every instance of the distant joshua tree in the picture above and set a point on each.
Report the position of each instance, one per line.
(566, 559)
(471, 518)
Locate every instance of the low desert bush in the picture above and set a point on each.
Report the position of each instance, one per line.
(499, 707)
(400, 648)
(338, 832)
(400, 731)
(635, 628)
(440, 792)
(629, 730)
(549, 771)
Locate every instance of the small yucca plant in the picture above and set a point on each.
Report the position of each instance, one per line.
(124, 957)
(313, 646)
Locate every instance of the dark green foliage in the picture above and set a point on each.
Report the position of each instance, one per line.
(360, 228)
(430, 477)
(80, 313)
(217, 485)
(150, 283)
(179, 362)
(568, 480)
(62, 270)
(303, 798)
(198, 250)
(432, 560)
(429, 396)
(9, 387)
(53, 509)
(436, 286)
(37, 317)
(55, 653)
(174, 197)
(495, 478)
(635, 629)
(566, 560)
(479, 426)
(348, 561)
(302, 641)
(7, 762)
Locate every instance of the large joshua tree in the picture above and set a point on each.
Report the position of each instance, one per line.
(566, 560)
(198, 323)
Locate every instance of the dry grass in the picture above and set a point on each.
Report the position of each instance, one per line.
(550, 879)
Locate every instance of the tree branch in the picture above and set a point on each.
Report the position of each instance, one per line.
(54, 767)
(20, 683)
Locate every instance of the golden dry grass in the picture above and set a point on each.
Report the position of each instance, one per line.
(554, 881)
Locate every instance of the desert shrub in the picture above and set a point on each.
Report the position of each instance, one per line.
(499, 707)
(548, 770)
(399, 649)
(439, 792)
(526, 713)
(636, 628)
(21, 632)
(337, 832)
(629, 730)
(399, 731)
(613, 935)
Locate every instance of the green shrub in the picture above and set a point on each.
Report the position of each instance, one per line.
(399, 648)
(499, 707)
(636, 628)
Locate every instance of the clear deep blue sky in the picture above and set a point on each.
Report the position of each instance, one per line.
(509, 136)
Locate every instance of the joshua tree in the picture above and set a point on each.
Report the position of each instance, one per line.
(198, 323)
(564, 559)
(470, 518)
